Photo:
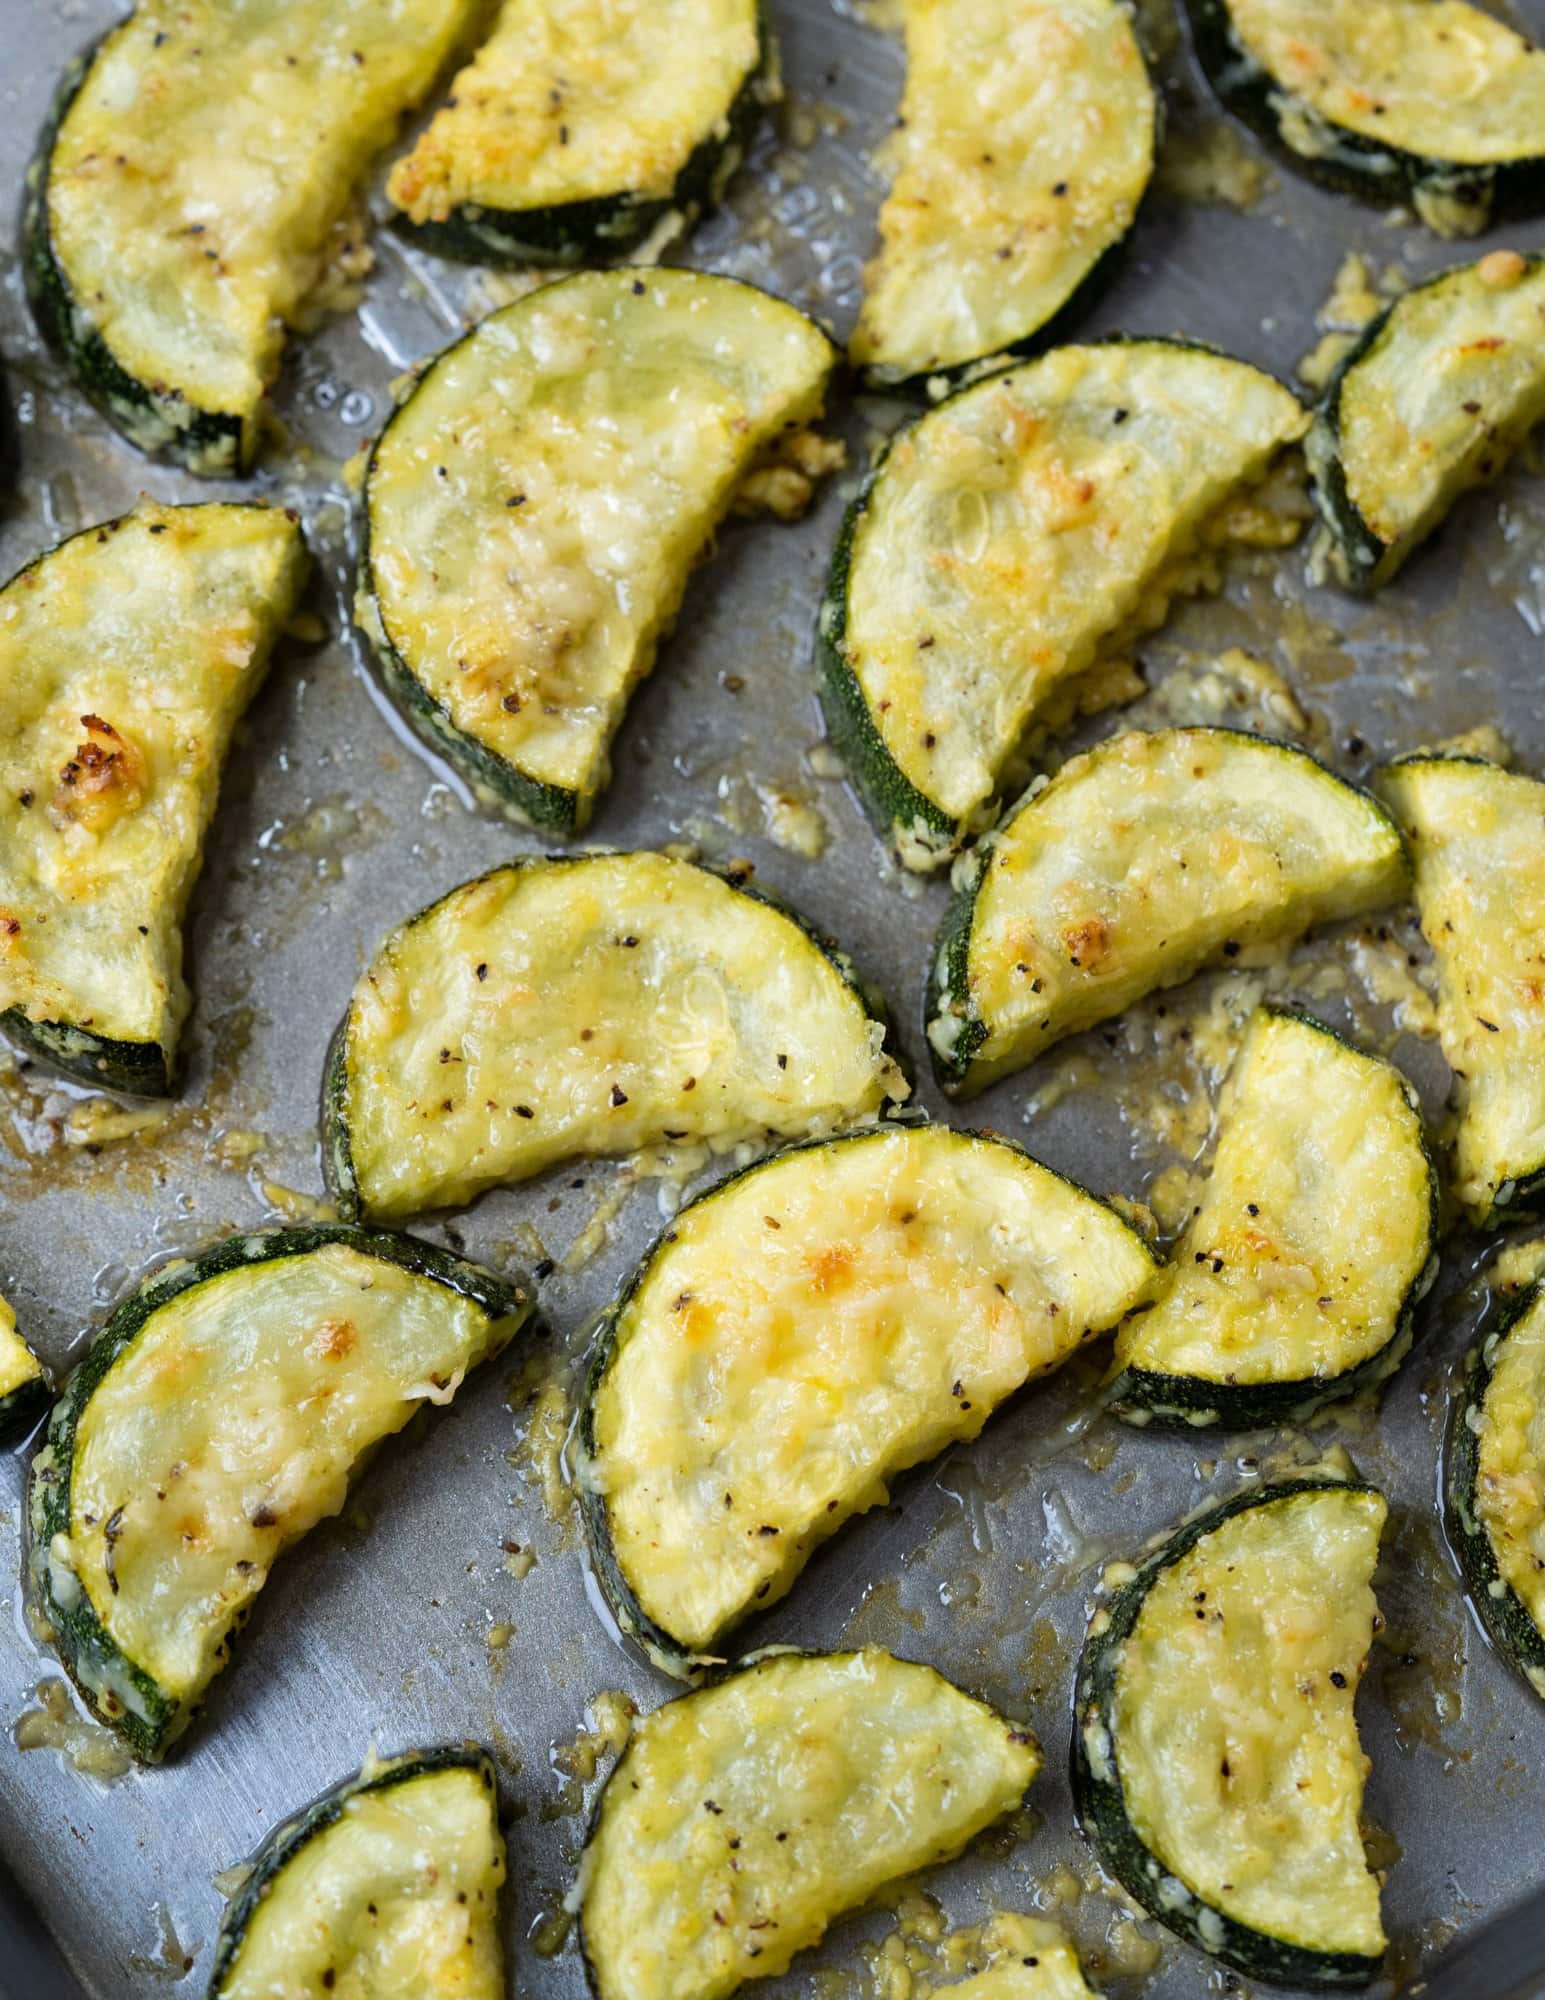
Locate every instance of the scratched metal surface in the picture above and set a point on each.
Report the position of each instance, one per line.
(332, 826)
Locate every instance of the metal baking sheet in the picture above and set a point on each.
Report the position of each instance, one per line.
(386, 1627)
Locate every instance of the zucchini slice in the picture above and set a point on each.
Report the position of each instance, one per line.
(1443, 386)
(1432, 102)
(1477, 837)
(581, 126)
(387, 1886)
(216, 1418)
(24, 1386)
(1027, 1959)
(127, 655)
(1297, 1277)
(533, 511)
(746, 1817)
(1494, 1491)
(560, 1009)
(1139, 863)
(1031, 526)
(197, 183)
(1216, 1764)
(1026, 141)
(741, 1407)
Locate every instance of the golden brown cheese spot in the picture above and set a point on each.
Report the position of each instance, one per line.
(104, 779)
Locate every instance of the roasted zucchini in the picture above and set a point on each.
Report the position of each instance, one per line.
(804, 1332)
(1026, 139)
(216, 1418)
(385, 1888)
(1032, 526)
(744, 1818)
(534, 508)
(198, 184)
(1216, 1764)
(1431, 102)
(1477, 837)
(1494, 1491)
(582, 126)
(1140, 862)
(1297, 1276)
(24, 1387)
(551, 1010)
(127, 654)
(1443, 386)
(1027, 1959)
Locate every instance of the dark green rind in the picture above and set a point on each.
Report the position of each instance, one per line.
(285, 1842)
(20, 1410)
(1501, 1610)
(86, 1649)
(663, 1648)
(1352, 164)
(214, 443)
(337, 1150)
(1101, 1803)
(1147, 1397)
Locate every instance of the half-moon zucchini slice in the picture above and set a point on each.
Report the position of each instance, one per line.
(534, 508)
(195, 188)
(386, 1885)
(1433, 102)
(127, 655)
(1443, 386)
(216, 1418)
(24, 1386)
(1029, 528)
(1297, 1276)
(804, 1332)
(1494, 1485)
(1138, 864)
(583, 125)
(554, 1010)
(1216, 1764)
(1027, 1959)
(1026, 139)
(746, 1817)
(1477, 837)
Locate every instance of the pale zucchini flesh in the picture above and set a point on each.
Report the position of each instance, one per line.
(534, 508)
(806, 1331)
(1032, 526)
(127, 655)
(1295, 1280)
(1434, 398)
(196, 189)
(23, 1379)
(561, 1009)
(1026, 141)
(746, 1817)
(217, 1417)
(1477, 836)
(582, 125)
(1139, 863)
(385, 1888)
(1217, 1762)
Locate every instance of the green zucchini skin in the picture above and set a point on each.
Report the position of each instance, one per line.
(20, 1410)
(132, 1069)
(1100, 1802)
(286, 1841)
(1358, 550)
(86, 1649)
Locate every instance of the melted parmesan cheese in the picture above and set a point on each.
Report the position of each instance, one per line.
(18, 1364)
(537, 504)
(748, 1816)
(1026, 141)
(394, 1899)
(1510, 1460)
(126, 657)
(1315, 1225)
(1146, 859)
(1435, 78)
(204, 164)
(1478, 842)
(596, 1006)
(815, 1327)
(1028, 1959)
(1234, 1733)
(229, 1426)
(577, 100)
(1034, 524)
